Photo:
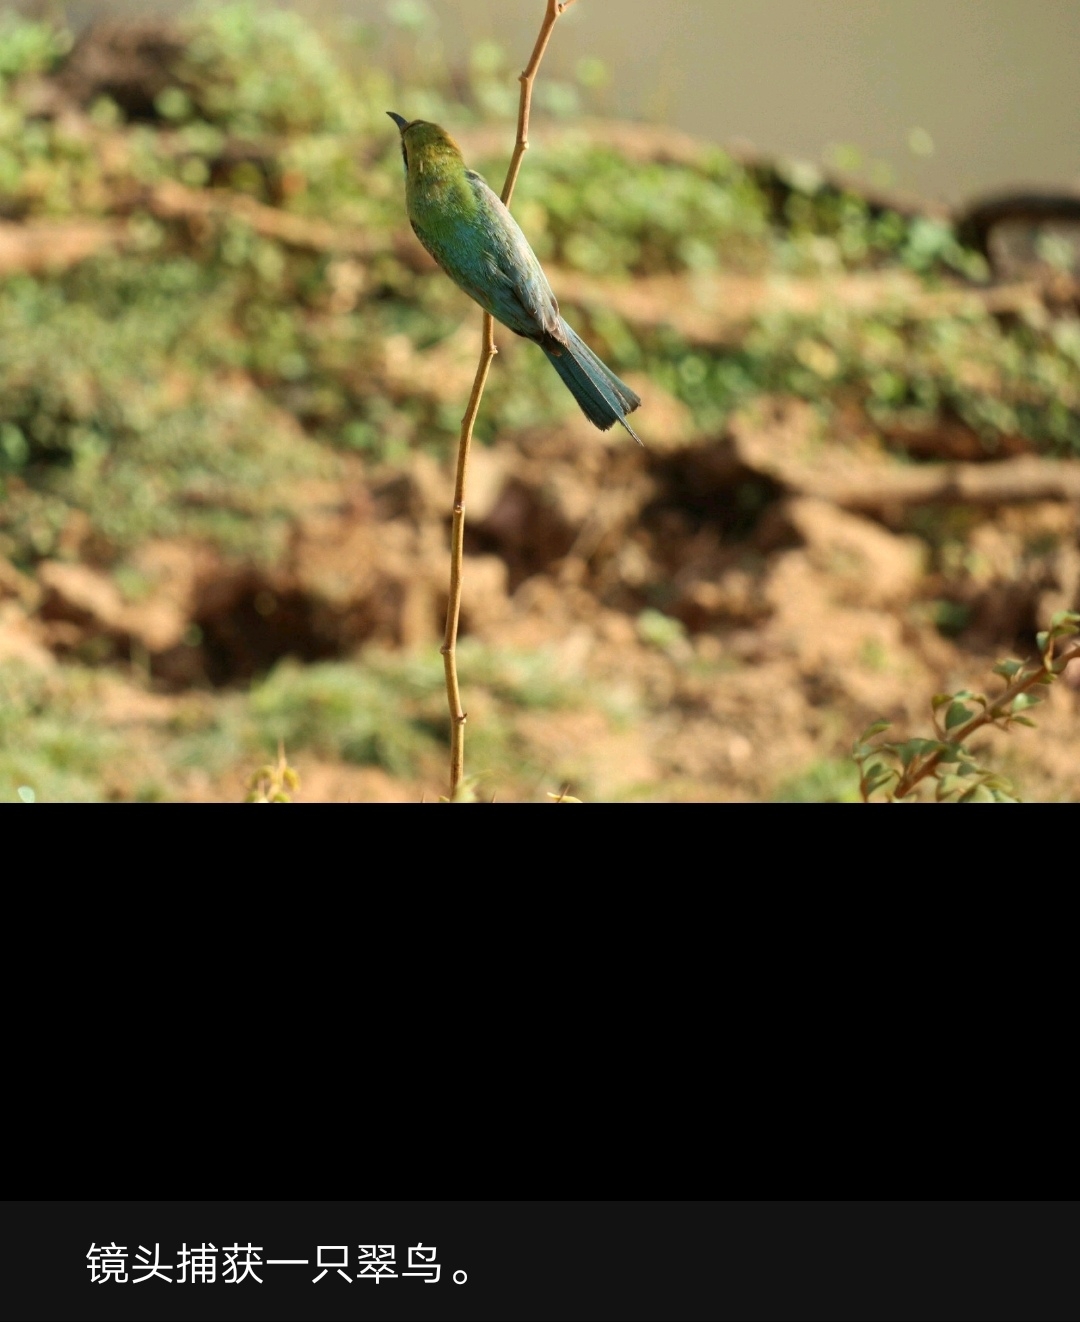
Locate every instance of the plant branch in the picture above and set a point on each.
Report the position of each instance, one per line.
(457, 557)
(555, 8)
(1045, 673)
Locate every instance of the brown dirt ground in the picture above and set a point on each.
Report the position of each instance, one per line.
(746, 628)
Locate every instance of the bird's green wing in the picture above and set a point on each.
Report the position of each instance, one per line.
(522, 293)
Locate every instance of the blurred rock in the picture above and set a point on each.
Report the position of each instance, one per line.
(17, 585)
(485, 601)
(47, 247)
(79, 596)
(489, 470)
(867, 566)
(131, 61)
(20, 638)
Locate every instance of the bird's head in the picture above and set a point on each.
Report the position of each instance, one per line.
(426, 145)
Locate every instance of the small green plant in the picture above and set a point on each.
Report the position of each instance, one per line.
(894, 770)
(55, 746)
(276, 782)
(663, 632)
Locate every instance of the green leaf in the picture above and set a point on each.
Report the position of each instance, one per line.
(904, 752)
(940, 700)
(1063, 619)
(1042, 641)
(879, 727)
(957, 714)
(977, 794)
(1023, 720)
(1008, 669)
(874, 783)
(1023, 701)
(914, 748)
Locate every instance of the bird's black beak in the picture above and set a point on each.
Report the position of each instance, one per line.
(402, 124)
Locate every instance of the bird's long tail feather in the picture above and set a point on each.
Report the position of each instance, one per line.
(603, 398)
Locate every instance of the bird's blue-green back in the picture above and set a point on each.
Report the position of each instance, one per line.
(475, 239)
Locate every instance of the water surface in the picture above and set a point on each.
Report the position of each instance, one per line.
(993, 85)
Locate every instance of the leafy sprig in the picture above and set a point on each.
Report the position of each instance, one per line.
(894, 770)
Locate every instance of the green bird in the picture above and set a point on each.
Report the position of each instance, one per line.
(480, 246)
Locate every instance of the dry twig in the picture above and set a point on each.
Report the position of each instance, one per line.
(555, 8)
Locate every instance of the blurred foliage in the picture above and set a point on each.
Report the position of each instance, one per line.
(191, 379)
(373, 716)
(391, 711)
(387, 710)
(587, 208)
(829, 781)
(53, 742)
(157, 389)
(107, 408)
(663, 632)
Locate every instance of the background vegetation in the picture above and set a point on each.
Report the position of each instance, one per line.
(231, 382)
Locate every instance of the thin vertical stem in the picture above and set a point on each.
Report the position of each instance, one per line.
(555, 8)
(457, 557)
(487, 352)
